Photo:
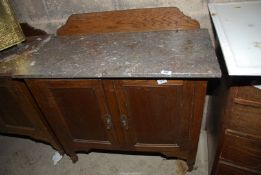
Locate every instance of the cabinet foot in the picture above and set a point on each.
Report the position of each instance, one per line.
(74, 158)
(190, 162)
(190, 165)
(168, 154)
(61, 152)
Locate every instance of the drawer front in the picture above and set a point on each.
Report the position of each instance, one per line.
(241, 151)
(249, 93)
(224, 169)
(245, 113)
(245, 118)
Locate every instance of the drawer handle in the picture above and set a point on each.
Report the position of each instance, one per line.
(124, 121)
(108, 121)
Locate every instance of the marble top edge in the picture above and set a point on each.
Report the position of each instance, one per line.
(186, 54)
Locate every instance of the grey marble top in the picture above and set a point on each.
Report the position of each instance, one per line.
(164, 54)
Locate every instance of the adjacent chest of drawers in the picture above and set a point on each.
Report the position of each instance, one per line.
(239, 133)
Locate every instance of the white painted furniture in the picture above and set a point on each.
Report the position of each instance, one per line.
(238, 26)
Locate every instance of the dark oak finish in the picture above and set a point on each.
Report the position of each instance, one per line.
(241, 150)
(135, 20)
(145, 116)
(246, 111)
(158, 117)
(19, 113)
(150, 113)
(227, 169)
(113, 114)
(165, 118)
(77, 112)
(239, 139)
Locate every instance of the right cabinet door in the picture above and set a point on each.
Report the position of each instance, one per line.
(156, 117)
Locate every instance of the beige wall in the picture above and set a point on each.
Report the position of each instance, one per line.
(50, 14)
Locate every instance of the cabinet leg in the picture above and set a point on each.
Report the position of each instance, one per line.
(74, 158)
(190, 164)
(61, 152)
(168, 154)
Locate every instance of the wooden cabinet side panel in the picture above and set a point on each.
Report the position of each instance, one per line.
(224, 97)
(195, 123)
(20, 115)
(16, 110)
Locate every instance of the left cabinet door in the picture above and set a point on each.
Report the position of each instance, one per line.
(77, 112)
(19, 114)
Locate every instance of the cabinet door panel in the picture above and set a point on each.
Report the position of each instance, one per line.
(76, 110)
(158, 115)
(11, 109)
(18, 111)
(80, 110)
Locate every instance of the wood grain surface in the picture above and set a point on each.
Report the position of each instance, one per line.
(19, 114)
(134, 20)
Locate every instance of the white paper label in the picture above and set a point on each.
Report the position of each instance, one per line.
(161, 81)
(56, 158)
(166, 72)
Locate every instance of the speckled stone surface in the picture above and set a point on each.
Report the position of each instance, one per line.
(183, 54)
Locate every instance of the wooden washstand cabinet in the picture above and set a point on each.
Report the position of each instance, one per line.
(101, 91)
